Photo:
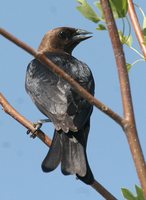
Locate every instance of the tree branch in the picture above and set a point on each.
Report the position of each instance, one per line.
(130, 126)
(44, 138)
(101, 190)
(136, 26)
(22, 120)
(64, 75)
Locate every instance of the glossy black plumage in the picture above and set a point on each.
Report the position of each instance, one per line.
(69, 112)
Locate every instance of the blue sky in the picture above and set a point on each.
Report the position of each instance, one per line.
(108, 152)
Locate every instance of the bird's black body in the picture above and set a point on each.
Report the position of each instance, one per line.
(69, 112)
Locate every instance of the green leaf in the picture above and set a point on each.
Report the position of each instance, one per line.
(129, 66)
(144, 32)
(129, 40)
(130, 196)
(98, 5)
(127, 194)
(101, 27)
(87, 11)
(144, 29)
(121, 36)
(126, 39)
(144, 22)
(119, 7)
(139, 191)
(114, 10)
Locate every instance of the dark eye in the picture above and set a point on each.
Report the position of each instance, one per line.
(64, 35)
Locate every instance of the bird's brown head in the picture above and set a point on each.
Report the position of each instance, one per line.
(62, 39)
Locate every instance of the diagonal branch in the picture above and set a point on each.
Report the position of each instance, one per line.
(44, 138)
(136, 26)
(130, 126)
(22, 120)
(101, 190)
(64, 75)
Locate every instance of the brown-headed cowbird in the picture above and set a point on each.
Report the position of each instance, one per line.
(59, 101)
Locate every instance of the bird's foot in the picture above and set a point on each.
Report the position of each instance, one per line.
(37, 127)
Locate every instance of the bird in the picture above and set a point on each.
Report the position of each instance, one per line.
(61, 104)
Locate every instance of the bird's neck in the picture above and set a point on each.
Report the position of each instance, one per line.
(51, 50)
(46, 47)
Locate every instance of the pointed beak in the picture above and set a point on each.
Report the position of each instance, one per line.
(81, 35)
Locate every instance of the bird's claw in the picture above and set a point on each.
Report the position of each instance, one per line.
(28, 132)
(32, 135)
(37, 126)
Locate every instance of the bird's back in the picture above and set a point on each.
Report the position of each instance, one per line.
(54, 97)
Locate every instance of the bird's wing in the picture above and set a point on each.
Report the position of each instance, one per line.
(44, 88)
(54, 96)
(78, 109)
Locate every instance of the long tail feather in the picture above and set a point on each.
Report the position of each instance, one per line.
(53, 157)
(70, 149)
(73, 158)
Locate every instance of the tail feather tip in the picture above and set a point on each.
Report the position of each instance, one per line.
(46, 168)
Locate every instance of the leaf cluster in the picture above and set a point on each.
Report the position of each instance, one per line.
(119, 9)
(128, 195)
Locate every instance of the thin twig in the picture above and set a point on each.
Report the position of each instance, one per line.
(130, 126)
(136, 26)
(100, 189)
(22, 120)
(10, 110)
(64, 75)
